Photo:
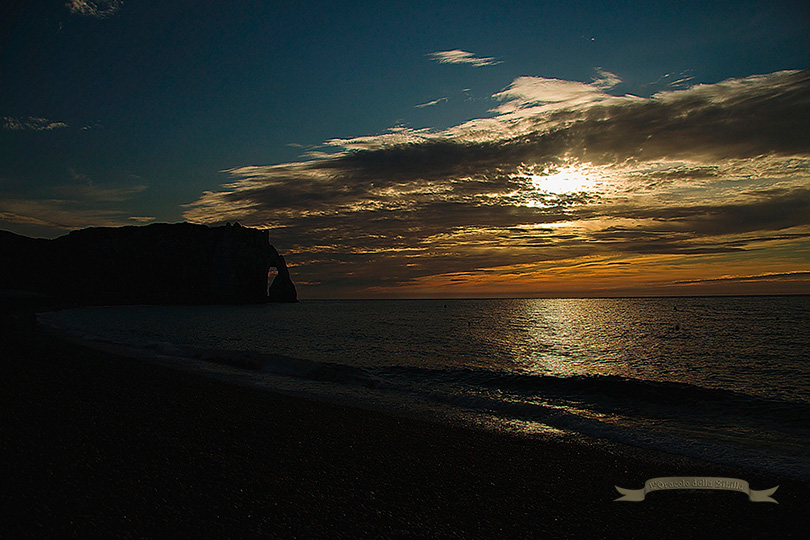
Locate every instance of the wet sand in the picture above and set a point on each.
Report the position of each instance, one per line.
(98, 445)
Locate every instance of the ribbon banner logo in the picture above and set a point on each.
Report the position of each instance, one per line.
(696, 482)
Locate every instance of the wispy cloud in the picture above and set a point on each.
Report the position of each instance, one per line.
(30, 123)
(142, 219)
(539, 94)
(59, 214)
(430, 103)
(758, 277)
(77, 204)
(561, 172)
(605, 80)
(677, 81)
(98, 9)
(92, 193)
(457, 56)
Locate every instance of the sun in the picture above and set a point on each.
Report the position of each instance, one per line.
(561, 181)
(542, 187)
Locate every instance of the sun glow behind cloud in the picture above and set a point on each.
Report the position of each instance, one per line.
(568, 180)
(547, 185)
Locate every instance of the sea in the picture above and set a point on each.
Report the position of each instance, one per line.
(724, 379)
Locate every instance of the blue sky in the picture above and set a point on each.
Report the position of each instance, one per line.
(314, 119)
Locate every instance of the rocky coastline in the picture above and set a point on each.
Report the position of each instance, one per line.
(161, 263)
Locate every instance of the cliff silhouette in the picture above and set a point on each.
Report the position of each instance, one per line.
(154, 264)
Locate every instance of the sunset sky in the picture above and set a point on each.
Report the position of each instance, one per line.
(427, 149)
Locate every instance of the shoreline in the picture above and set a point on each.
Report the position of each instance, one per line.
(108, 445)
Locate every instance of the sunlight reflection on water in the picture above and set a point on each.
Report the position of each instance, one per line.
(754, 345)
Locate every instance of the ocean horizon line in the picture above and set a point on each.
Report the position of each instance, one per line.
(617, 297)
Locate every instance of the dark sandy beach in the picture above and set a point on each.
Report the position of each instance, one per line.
(96, 445)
